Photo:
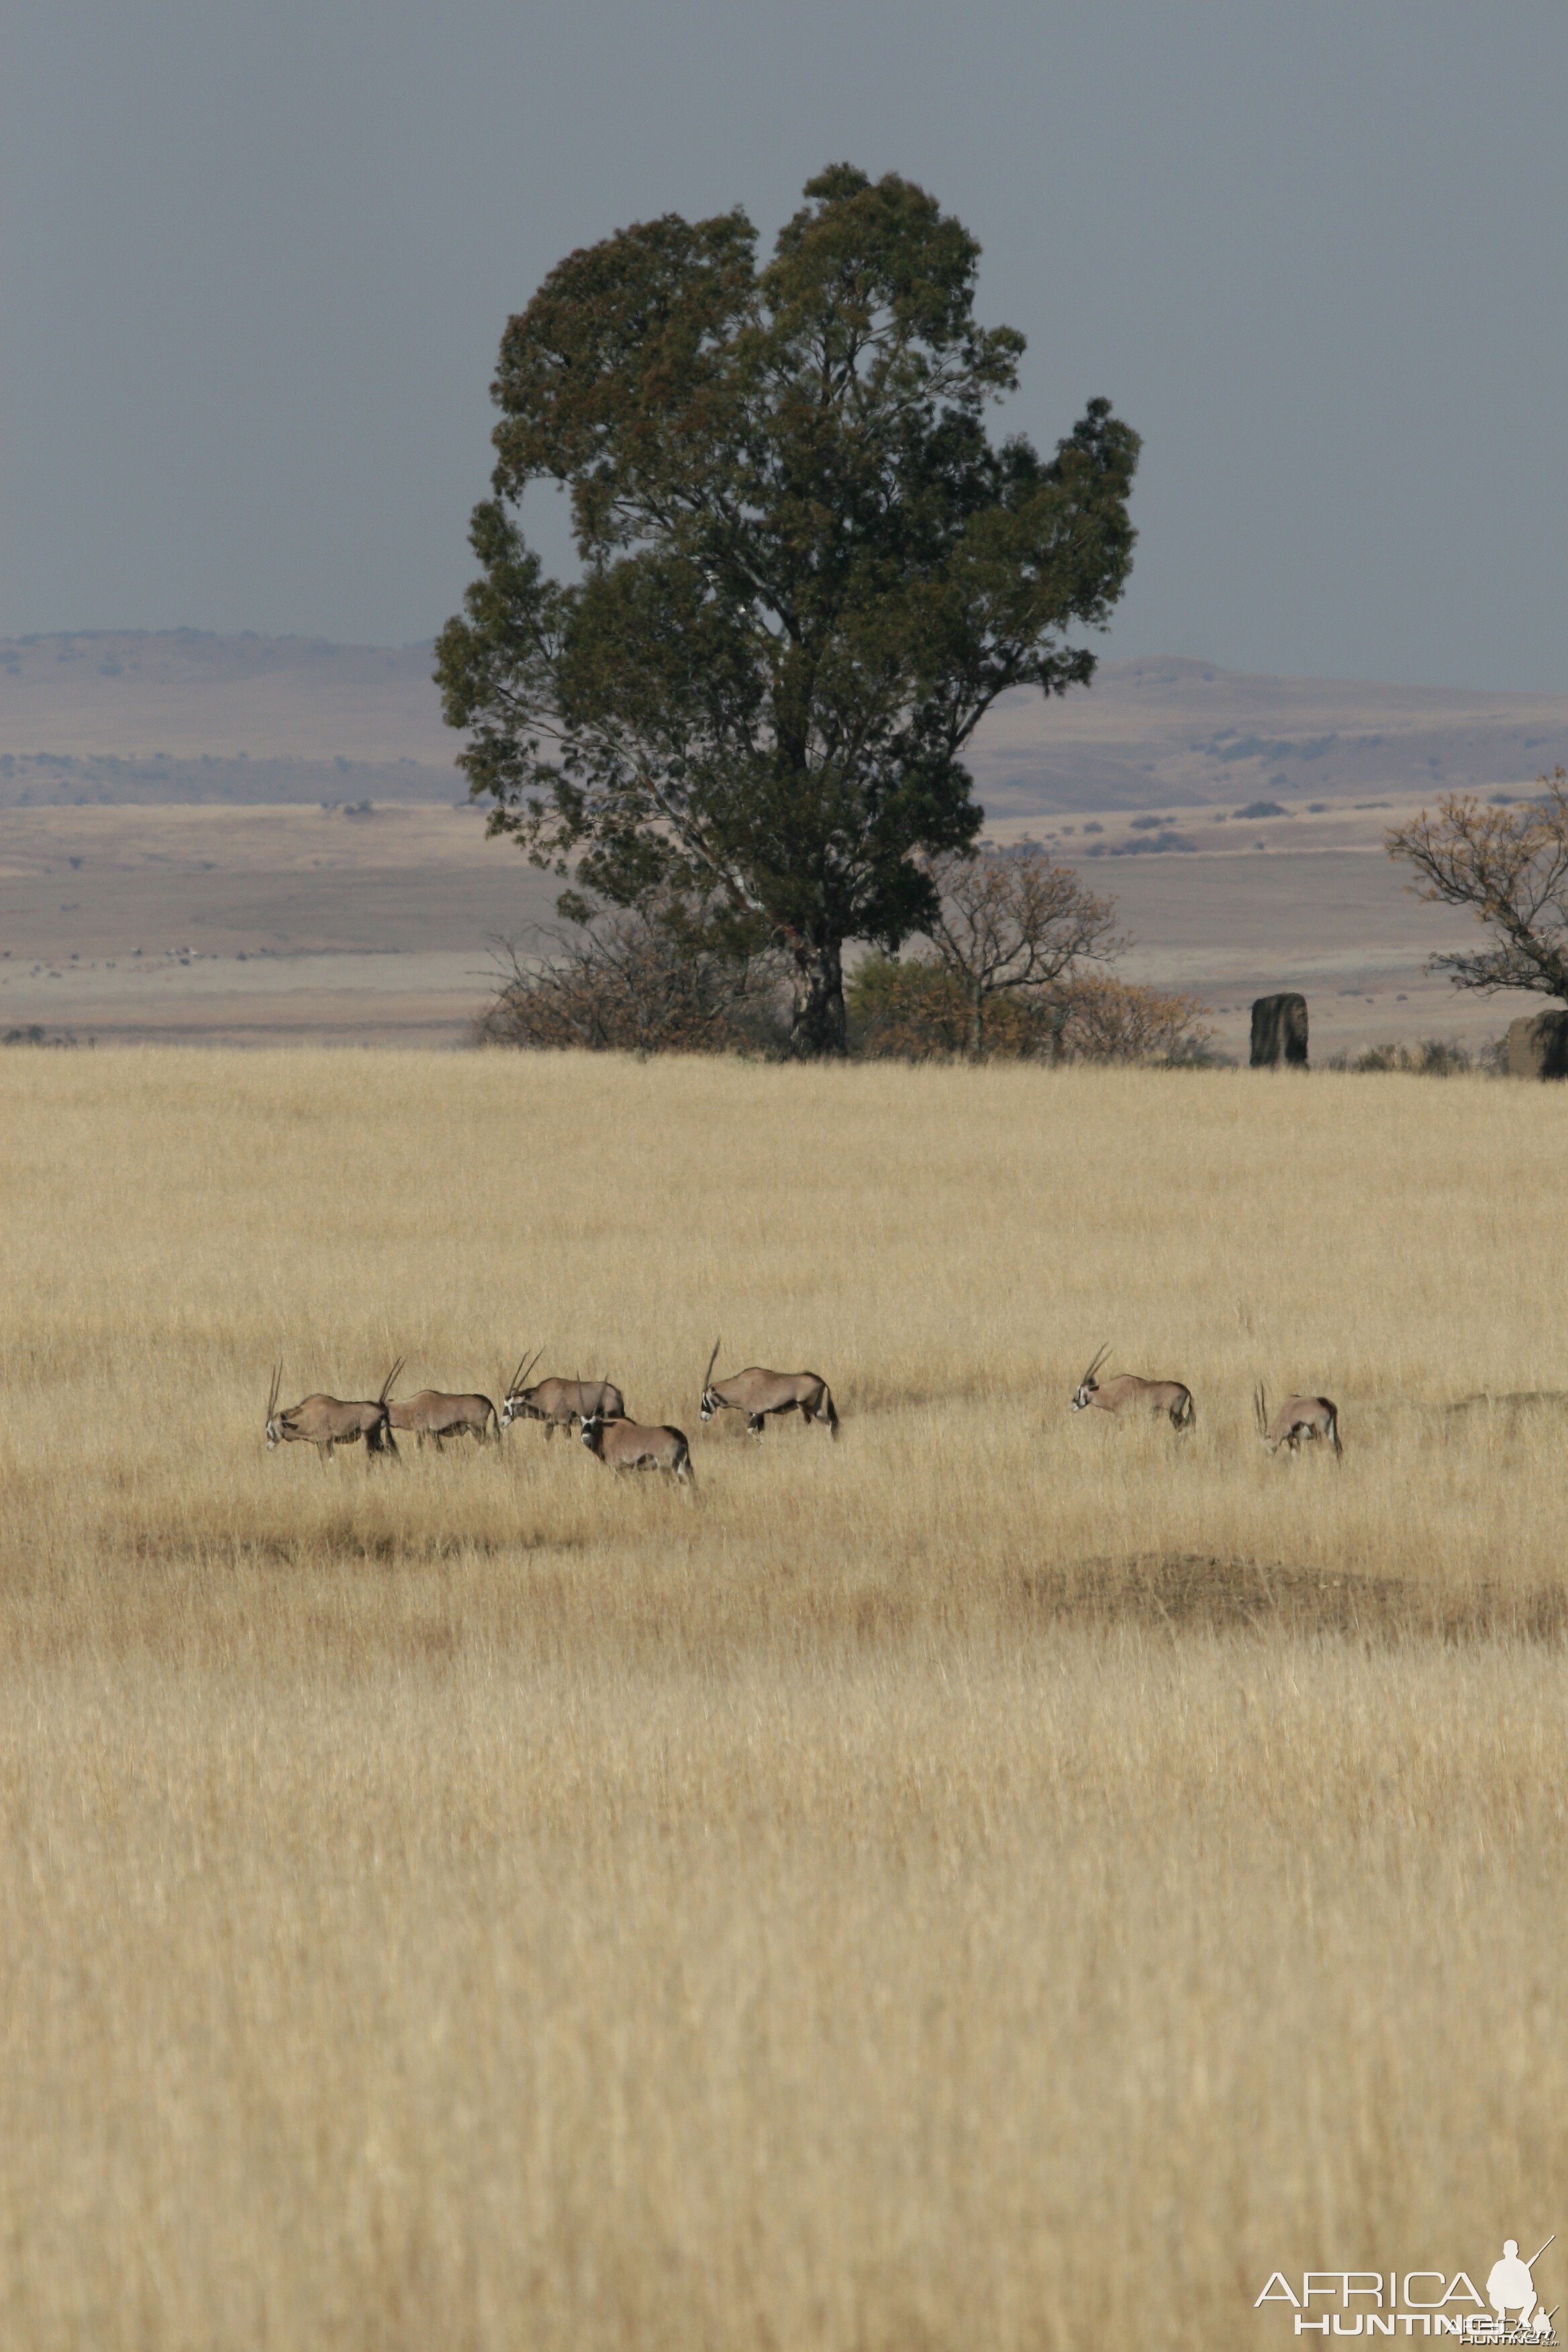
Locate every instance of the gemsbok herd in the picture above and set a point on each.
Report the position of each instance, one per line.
(599, 1409)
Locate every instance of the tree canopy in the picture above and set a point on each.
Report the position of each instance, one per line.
(806, 570)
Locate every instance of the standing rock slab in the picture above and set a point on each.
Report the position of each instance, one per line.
(1538, 1046)
(1280, 1032)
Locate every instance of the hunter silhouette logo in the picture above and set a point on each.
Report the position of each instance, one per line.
(1421, 2303)
(1510, 2287)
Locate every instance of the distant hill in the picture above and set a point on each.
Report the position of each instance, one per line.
(1185, 734)
(180, 715)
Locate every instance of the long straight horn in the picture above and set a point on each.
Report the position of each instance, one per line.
(1260, 1408)
(711, 1361)
(524, 1369)
(515, 1382)
(387, 1384)
(1096, 1365)
(272, 1398)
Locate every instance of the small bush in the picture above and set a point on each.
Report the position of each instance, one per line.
(912, 1009)
(1110, 1020)
(1150, 846)
(901, 1012)
(659, 980)
(1434, 1057)
(34, 1033)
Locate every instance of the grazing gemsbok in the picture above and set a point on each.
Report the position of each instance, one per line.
(758, 1394)
(434, 1414)
(558, 1403)
(324, 1422)
(628, 1445)
(1128, 1393)
(1301, 1420)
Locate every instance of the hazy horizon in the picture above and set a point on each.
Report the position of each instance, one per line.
(256, 264)
(1109, 655)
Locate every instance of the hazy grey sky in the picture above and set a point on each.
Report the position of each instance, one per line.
(255, 257)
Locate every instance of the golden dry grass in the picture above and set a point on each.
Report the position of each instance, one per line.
(996, 1881)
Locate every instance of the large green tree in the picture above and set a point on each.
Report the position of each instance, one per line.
(806, 570)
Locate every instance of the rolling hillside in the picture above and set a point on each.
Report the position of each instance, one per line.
(183, 716)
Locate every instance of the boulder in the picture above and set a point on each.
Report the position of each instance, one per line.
(1279, 1030)
(1538, 1046)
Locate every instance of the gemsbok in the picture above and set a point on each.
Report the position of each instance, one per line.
(758, 1394)
(1309, 1419)
(325, 1421)
(1128, 1393)
(558, 1403)
(628, 1445)
(435, 1415)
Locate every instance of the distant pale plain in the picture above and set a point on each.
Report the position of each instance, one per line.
(271, 823)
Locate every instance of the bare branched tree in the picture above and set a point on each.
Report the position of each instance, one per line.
(1509, 866)
(654, 979)
(1015, 921)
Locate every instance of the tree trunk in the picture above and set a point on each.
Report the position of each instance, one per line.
(817, 1026)
(977, 1022)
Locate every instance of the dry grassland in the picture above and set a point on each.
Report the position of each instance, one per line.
(1000, 1881)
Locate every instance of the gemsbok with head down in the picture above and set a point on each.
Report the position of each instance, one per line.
(558, 1403)
(1300, 1420)
(436, 1415)
(325, 1421)
(628, 1445)
(759, 1394)
(1129, 1394)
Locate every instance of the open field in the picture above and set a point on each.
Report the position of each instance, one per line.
(245, 926)
(284, 810)
(302, 925)
(999, 1880)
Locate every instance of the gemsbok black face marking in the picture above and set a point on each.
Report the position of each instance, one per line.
(557, 1403)
(325, 1421)
(1129, 1394)
(758, 1393)
(1088, 1386)
(1300, 1420)
(623, 1444)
